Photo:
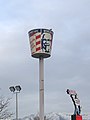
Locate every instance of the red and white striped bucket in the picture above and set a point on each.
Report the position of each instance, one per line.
(41, 42)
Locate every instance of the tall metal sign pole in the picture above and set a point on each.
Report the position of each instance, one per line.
(41, 45)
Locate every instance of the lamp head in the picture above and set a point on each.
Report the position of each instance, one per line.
(18, 88)
(12, 89)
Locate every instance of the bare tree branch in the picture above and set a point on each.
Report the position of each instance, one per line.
(4, 112)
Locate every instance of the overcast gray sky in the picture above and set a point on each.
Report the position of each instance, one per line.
(69, 65)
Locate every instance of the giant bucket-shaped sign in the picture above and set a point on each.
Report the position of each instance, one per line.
(41, 42)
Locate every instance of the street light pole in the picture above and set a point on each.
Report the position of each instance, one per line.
(16, 90)
(16, 106)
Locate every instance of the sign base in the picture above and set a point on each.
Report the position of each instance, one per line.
(76, 117)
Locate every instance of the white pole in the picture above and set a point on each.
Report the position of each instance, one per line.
(41, 87)
(16, 106)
